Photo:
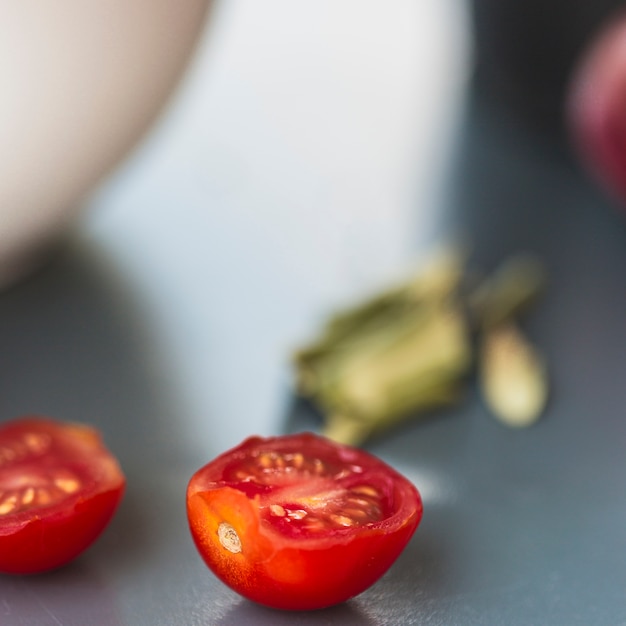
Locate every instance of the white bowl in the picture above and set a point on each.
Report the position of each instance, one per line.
(81, 82)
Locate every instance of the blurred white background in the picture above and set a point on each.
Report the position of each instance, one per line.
(297, 167)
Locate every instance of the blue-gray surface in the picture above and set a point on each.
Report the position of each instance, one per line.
(520, 527)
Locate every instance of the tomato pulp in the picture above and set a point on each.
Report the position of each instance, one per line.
(300, 522)
(59, 488)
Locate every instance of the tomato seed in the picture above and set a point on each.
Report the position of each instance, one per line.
(365, 490)
(28, 496)
(276, 509)
(68, 485)
(359, 501)
(356, 514)
(344, 473)
(8, 505)
(36, 443)
(28, 444)
(313, 523)
(298, 460)
(229, 538)
(341, 520)
(265, 460)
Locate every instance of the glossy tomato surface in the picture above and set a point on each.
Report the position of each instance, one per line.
(300, 522)
(59, 488)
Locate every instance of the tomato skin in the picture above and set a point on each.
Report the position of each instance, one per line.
(44, 544)
(298, 570)
(46, 536)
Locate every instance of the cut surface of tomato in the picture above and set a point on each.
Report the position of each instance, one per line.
(298, 521)
(59, 488)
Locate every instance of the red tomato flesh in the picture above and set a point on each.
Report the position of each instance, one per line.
(300, 522)
(59, 488)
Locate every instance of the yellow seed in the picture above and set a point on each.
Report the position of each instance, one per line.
(68, 485)
(360, 502)
(297, 514)
(365, 490)
(265, 460)
(314, 523)
(28, 496)
(356, 514)
(8, 505)
(342, 520)
(344, 473)
(36, 443)
(277, 510)
(297, 460)
(318, 466)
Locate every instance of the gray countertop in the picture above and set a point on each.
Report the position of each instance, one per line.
(167, 318)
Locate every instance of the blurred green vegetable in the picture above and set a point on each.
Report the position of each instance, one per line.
(410, 350)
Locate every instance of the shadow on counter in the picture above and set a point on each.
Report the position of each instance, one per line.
(74, 348)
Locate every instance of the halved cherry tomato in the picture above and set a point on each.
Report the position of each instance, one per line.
(59, 488)
(300, 522)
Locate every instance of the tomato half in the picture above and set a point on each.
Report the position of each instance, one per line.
(59, 488)
(298, 521)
